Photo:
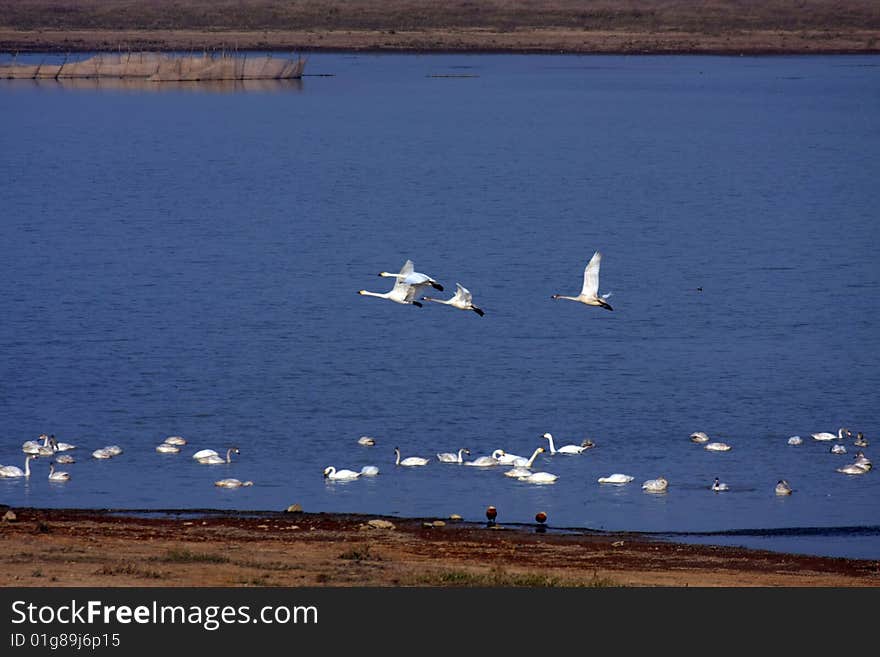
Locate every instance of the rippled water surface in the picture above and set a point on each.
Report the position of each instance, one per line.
(186, 260)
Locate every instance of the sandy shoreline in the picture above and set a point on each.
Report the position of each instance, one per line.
(64, 547)
(547, 26)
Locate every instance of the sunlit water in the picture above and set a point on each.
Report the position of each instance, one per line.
(186, 260)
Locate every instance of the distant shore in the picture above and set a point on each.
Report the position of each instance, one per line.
(103, 548)
(721, 27)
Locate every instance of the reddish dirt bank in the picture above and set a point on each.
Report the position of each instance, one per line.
(97, 548)
(601, 26)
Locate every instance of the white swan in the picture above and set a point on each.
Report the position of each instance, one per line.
(410, 460)
(590, 291)
(838, 449)
(403, 291)
(102, 453)
(366, 441)
(369, 471)
(658, 485)
(11, 471)
(409, 276)
(449, 457)
(34, 446)
(175, 440)
(115, 450)
(205, 453)
(717, 447)
(860, 440)
(539, 478)
(167, 448)
(340, 475)
(64, 458)
(853, 469)
(568, 449)
(506, 458)
(824, 435)
(60, 446)
(215, 459)
(524, 468)
(699, 437)
(783, 487)
(616, 478)
(718, 486)
(863, 461)
(57, 476)
(795, 440)
(486, 461)
(463, 300)
(232, 483)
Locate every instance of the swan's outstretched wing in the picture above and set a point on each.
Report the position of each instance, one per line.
(591, 276)
(410, 292)
(406, 270)
(462, 294)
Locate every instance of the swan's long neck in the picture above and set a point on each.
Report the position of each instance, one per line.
(561, 296)
(550, 438)
(381, 295)
(229, 455)
(460, 452)
(330, 472)
(840, 433)
(435, 300)
(397, 452)
(27, 466)
(534, 456)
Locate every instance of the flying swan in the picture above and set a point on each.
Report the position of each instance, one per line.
(590, 292)
(463, 300)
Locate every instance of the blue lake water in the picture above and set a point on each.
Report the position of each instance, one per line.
(185, 260)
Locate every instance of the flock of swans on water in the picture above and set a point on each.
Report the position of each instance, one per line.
(408, 285)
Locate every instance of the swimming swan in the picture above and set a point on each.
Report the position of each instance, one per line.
(539, 478)
(718, 486)
(463, 300)
(521, 462)
(34, 446)
(205, 453)
(217, 460)
(103, 453)
(658, 485)
(783, 487)
(57, 476)
(366, 441)
(616, 478)
(862, 460)
(11, 471)
(699, 437)
(449, 457)
(824, 435)
(590, 291)
(167, 448)
(60, 447)
(717, 447)
(524, 468)
(115, 450)
(853, 469)
(340, 475)
(369, 471)
(410, 460)
(568, 449)
(838, 449)
(232, 483)
(409, 276)
(860, 440)
(175, 440)
(795, 440)
(64, 458)
(486, 461)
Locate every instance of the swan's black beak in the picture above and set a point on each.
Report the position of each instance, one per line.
(437, 286)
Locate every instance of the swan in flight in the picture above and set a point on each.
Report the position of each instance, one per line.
(699, 437)
(486, 461)
(718, 486)
(568, 449)
(616, 478)
(167, 448)
(783, 487)
(232, 483)
(524, 468)
(175, 440)
(216, 459)
(57, 476)
(449, 457)
(463, 300)
(658, 485)
(366, 441)
(717, 447)
(825, 435)
(14, 471)
(340, 475)
(590, 292)
(410, 460)
(411, 277)
(538, 478)
(795, 440)
(369, 471)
